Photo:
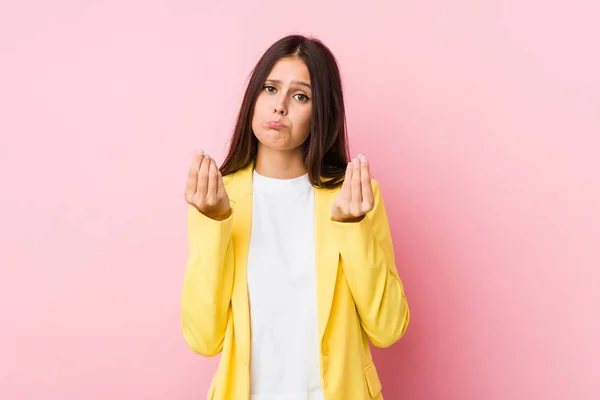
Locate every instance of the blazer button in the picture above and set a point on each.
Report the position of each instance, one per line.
(325, 349)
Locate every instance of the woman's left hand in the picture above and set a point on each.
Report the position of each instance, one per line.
(355, 198)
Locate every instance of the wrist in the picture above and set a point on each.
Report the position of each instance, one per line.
(224, 216)
(219, 217)
(348, 220)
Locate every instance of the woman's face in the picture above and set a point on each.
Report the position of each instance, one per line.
(282, 112)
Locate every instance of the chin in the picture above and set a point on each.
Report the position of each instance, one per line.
(274, 139)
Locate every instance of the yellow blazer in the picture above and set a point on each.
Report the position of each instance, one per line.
(359, 294)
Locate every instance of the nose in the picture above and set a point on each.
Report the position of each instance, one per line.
(280, 106)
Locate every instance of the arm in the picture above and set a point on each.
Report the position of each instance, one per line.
(208, 283)
(369, 265)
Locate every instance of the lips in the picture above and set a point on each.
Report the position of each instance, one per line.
(275, 125)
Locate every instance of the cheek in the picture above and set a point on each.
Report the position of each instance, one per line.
(305, 122)
(259, 111)
(258, 105)
(263, 103)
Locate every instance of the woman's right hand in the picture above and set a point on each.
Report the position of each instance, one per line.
(205, 189)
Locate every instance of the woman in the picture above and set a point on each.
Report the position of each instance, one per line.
(291, 267)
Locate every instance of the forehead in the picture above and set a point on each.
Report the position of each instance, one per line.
(289, 69)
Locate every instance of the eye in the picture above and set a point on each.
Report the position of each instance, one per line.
(267, 88)
(303, 98)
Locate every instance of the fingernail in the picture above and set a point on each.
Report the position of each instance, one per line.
(201, 152)
(362, 157)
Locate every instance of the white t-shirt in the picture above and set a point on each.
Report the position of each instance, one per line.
(282, 291)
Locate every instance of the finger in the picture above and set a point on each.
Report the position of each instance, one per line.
(345, 191)
(220, 185)
(213, 179)
(192, 180)
(367, 189)
(203, 172)
(356, 189)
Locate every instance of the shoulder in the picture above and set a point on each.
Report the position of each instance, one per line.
(227, 179)
(239, 178)
(375, 184)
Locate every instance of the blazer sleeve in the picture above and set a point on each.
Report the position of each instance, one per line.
(208, 282)
(369, 265)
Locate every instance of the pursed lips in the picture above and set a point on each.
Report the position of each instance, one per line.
(276, 125)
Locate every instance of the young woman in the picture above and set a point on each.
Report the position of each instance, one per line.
(291, 268)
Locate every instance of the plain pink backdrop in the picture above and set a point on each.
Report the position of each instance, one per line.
(482, 121)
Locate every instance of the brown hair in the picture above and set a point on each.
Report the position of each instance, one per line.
(326, 152)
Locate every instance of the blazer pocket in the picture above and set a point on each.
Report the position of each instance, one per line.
(372, 380)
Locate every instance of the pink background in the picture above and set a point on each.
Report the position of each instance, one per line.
(482, 121)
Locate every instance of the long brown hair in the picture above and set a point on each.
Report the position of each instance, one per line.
(326, 152)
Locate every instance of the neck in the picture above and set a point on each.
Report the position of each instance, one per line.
(278, 164)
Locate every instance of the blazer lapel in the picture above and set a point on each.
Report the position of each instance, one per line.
(326, 256)
(326, 252)
(239, 191)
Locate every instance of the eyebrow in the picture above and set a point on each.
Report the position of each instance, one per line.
(296, 82)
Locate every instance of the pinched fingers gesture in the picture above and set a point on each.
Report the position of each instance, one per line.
(205, 189)
(355, 198)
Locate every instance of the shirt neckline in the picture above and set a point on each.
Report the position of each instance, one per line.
(280, 184)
